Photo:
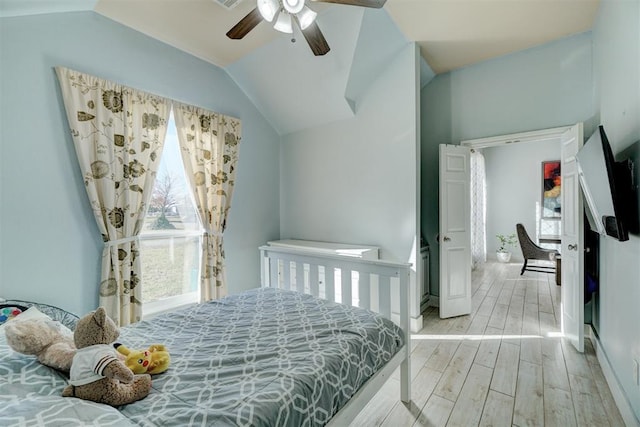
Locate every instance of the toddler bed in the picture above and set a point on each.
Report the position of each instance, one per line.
(265, 357)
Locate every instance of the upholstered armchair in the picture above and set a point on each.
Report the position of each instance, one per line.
(531, 251)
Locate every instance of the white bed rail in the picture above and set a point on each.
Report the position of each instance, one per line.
(371, 284)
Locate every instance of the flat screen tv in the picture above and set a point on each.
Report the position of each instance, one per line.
(606, 185)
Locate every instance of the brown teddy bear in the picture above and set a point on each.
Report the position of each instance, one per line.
(97, 374)
(49, 341)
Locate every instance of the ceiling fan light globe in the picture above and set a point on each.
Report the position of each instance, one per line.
(306, 17)
(268, 9)
(283, 23)
(293, 6)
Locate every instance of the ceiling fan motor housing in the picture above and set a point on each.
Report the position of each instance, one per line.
(304, 17)
(293, 6)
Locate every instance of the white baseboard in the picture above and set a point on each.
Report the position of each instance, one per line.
(616, 389)
(416, 323)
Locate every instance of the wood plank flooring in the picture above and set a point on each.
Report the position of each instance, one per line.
(502, 365)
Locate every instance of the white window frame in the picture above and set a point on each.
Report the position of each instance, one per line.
(154, 308)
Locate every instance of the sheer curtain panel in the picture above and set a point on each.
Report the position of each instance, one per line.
(118, 134)
(478, 209)
(209, 143)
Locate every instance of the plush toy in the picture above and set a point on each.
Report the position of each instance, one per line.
(155, 360)
(48, 340)
(96, 372)
(10, 311)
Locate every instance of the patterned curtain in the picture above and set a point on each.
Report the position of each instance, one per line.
(118, 133)
(209, 143)
(478, 209)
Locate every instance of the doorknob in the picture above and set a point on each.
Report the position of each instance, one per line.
(572, 247)
(446, 239)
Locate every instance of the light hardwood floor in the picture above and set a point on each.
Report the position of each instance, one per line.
(502, 365)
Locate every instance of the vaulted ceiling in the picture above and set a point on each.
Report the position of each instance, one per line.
(450, 33)
(296, 90)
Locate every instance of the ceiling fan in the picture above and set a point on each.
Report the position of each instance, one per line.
(287, 13)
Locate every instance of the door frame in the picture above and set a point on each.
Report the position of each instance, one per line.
(541, 135)
(514, 138)
(532, 136)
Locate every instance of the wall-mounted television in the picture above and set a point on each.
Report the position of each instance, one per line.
(606, 186)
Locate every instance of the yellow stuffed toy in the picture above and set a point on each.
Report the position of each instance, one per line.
(154, 360)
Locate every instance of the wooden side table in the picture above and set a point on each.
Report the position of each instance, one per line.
(558, 270)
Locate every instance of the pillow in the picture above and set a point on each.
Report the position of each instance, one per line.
(33, 313)
(18, 312)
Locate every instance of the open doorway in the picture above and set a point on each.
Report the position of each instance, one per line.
(510, 186)
(514, 192)
(571, 139)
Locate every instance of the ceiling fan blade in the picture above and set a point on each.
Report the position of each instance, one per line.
(316, 40)
(364, 3)
(245, 25)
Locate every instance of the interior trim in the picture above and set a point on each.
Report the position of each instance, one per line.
(536, 135)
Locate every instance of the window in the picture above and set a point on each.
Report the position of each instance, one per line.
(170, 238)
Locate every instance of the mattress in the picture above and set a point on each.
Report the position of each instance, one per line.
(264, 357)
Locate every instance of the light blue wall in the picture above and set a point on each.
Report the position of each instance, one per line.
(379, 41)
(514, 189)
(354, 181)
(616, 40)
(539, 88)
(49, 244)
(297, 90)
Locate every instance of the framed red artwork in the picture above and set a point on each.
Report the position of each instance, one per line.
(551, 190)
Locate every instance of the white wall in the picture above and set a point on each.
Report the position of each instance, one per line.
(514, 188)
(50, 247)
(543, 87)
(617, 76)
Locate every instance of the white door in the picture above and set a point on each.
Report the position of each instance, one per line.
(455, 231)
(572, 299)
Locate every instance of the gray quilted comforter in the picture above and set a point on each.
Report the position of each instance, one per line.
(265, 357)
